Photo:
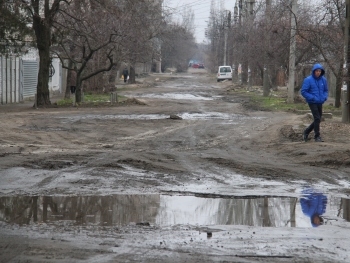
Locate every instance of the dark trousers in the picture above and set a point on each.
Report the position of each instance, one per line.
(125, 78)
(316, 110)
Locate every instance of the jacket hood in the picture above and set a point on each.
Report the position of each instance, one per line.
(318, 66)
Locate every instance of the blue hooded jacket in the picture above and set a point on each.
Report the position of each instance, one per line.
(315, 90)
(313, 203)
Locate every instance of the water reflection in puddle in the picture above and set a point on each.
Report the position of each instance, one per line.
(176, 96)
(185, 116)
(164, 210)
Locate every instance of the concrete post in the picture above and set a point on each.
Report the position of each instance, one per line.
(36, 101)
(234, 74)
(292, 49)
(344, 103)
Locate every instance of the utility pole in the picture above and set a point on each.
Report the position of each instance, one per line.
(227, 27)
(225, 36)
(345, 104)
(234, 60)
(266, 86)
(240, 5)
(292, 49)
(251, 19)
(159, 62)
(229, 37)
(239, 65)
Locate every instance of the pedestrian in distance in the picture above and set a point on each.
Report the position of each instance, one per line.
(125, 74)
(315, 92)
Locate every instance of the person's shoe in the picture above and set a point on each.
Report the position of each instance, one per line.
(305, 136)
(318, 139)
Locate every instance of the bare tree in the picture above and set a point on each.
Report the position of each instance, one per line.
(178, 44)
(96, 36)
(144, 28)
(43, 14)
(178, 47)
(13, 27)
(89, 47)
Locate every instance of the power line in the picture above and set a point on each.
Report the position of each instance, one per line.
(179, 8)
(194, 3)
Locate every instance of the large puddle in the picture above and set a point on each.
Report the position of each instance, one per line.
(184, 115)
(167, 210)
(174, 96)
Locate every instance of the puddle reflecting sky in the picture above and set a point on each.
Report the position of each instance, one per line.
(176, 96)
(165, 210)
(184, 115)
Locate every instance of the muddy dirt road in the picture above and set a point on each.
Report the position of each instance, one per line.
(186, 172)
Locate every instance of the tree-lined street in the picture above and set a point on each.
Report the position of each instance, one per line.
(130, 183)
(176, 166)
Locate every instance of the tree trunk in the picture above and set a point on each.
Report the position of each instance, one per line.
(338, 85)
(43, 95)
(68, 84)
(78, 90)
(43, 39)
(132, 79)
(67, 91)
(245, 72)
(112, 79)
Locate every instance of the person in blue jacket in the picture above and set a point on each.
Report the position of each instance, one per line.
(313, 204)
(315, 92)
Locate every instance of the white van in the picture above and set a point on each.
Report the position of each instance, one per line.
(224, 72)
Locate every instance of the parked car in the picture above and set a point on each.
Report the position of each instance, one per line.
(195, 65)
(224, 72)
(200, 65)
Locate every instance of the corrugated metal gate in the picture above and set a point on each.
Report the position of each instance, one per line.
(29, 78)
(18, 79)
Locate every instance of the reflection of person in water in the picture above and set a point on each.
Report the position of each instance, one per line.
(313, 204)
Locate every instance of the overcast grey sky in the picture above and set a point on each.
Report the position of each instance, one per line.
(201, 9)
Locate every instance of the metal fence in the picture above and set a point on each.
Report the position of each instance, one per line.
(18, 79)
(29, 78)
